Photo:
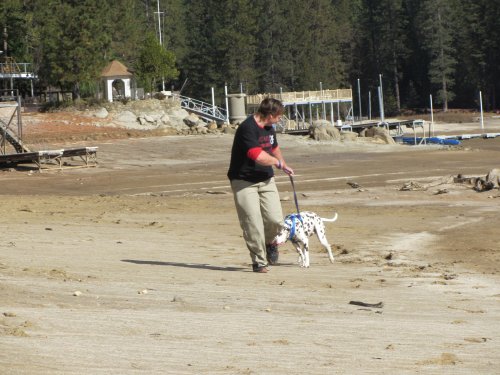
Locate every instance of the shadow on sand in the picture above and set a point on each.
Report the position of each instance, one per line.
(186, 265)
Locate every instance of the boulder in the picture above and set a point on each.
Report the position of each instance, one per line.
(228, 130)
(165, 119)
(191, 120)
(200, 129)
(101, 113)
(212, 126)
(348, 136)
(491, 181)
(178, 113)
(322, 130)
(126, 116)
(381, 134)
(149, 118)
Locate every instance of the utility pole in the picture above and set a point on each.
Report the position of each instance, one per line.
(359, 101)
(370, 105)
(381, 98)
(160, 36)
(481, 108)
(5, 35)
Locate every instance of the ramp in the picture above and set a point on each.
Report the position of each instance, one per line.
(10, 132)
(204, 110)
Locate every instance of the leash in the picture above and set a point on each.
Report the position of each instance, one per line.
(295, 196)
(293, 217)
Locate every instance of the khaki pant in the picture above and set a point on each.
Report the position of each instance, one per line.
(260, 215)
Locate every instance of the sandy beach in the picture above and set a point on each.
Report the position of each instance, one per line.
(138, 266)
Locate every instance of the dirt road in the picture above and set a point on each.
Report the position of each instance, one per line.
(139, 266)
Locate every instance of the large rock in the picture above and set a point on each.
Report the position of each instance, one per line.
(322, 130)
(191, 120)
(165, 119)
(174, 118)
(178, 113)
(126, 117)
(491, 181)
(381, 134)
(101, 113)
(212, 126)
(228, 130)
(349, 136)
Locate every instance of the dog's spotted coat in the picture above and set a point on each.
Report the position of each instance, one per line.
(299, 229)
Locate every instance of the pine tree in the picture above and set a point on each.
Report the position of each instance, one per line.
(175, 27)
(126, 22)
(199, 64)
(438, 32)
(155, 63)
(234, 39)
(300, 46)
(72, 38)
(274, 55)
(479, 36)
(415, 77)
(381, 48)
(12, 28)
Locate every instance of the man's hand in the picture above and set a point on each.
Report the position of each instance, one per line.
(286, 169)
(280, 164)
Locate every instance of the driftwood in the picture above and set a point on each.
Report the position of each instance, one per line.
(491, 181)
(479, 183)
(364, 304)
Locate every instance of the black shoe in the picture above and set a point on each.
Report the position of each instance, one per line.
(272, 254)
(260, 269)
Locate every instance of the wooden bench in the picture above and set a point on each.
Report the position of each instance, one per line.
(50, 159)
(87, 154)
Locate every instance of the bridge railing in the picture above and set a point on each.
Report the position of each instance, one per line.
(16, 69)
(341, 95)
(10, 122)
(203, 109)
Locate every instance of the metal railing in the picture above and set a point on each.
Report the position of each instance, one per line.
(16, 70)
(339, 95)
(11, 123)
(205, 110)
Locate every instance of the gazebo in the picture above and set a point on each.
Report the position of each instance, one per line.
(113, 72)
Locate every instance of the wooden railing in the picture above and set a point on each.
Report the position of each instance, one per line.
(304, 96)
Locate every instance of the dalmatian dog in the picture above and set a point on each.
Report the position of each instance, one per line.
(298, 228)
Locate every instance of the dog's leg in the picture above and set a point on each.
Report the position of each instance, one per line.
(306, 253)
(329, 249)
(298, 247)
(320, 231)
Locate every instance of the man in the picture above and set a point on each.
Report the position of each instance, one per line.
(254, 153)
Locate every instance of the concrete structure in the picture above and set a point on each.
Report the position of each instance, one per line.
(116, 71)
(237, 109)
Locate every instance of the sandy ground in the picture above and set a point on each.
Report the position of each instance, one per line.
(139, 267)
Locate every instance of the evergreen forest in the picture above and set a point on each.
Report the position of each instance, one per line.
(449, 49)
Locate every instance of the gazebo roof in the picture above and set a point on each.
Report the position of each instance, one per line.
(116, 69)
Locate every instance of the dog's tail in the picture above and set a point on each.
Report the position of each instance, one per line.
(332, 219)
